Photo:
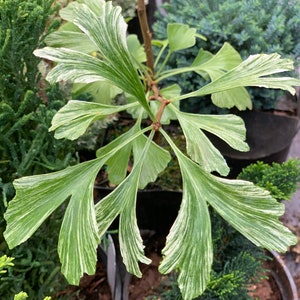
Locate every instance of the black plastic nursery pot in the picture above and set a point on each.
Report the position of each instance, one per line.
(268, 135)
(283, 277)
(156, 209)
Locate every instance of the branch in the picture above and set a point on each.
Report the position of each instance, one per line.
(147, 35)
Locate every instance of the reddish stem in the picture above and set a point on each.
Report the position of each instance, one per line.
(147, 35)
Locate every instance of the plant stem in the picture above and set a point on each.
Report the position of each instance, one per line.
(152, 85)
(147, 36)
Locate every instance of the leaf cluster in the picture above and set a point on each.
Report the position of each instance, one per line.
(99, 51)
(281, 180)
(274, 29)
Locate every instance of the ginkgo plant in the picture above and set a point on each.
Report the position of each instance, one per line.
(113, 60)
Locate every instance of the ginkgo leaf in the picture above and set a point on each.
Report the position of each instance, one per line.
(109, 33)
(230, 128)
(38, 196)
(106, 29)
(156, 158)
(68, 13)
(215, 66)
(135, 111)
(239, 202)
(123, 201)
(36, 199)
(238, 97)
(136, 49)
(180, 36)
(71, 40)
(252, 72)
(242, 203)
(101, 91)
(209, 157)
(72, 120)
(73, 65)
(189, 243)
(117, 165)
(120, 201)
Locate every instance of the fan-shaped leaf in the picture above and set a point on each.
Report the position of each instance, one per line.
(230, 128)
(252, 72)
(238, 202)
(72, 120)
(180, 36)
(38, 196)
(106, 29)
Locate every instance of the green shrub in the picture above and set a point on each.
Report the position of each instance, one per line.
(281, 180)
(27, 105)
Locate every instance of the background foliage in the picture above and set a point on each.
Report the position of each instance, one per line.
(281, 180)
(274, 29)
(27, 105)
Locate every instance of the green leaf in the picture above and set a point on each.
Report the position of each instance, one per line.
(230, 128)
(226, 59)
(251, 210)
(241, 203)
(136, 49)
(69, 35)
(72, 120)
(189, 244)
(252, 72)
(117, 164)
(202, 58)
(73, 65)
(216, 65)
(68, 13)
(71, 40)
(135, 111)
(156, 158)
(101, 91)
(238, 97)
(123, 201)
(180, 36)
(107, 31)
(36, 199)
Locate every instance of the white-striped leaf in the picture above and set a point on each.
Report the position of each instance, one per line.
(253, 72)
(107, 31)
(36, 199)
(73, 119)
(229, 128)
(249, 209)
